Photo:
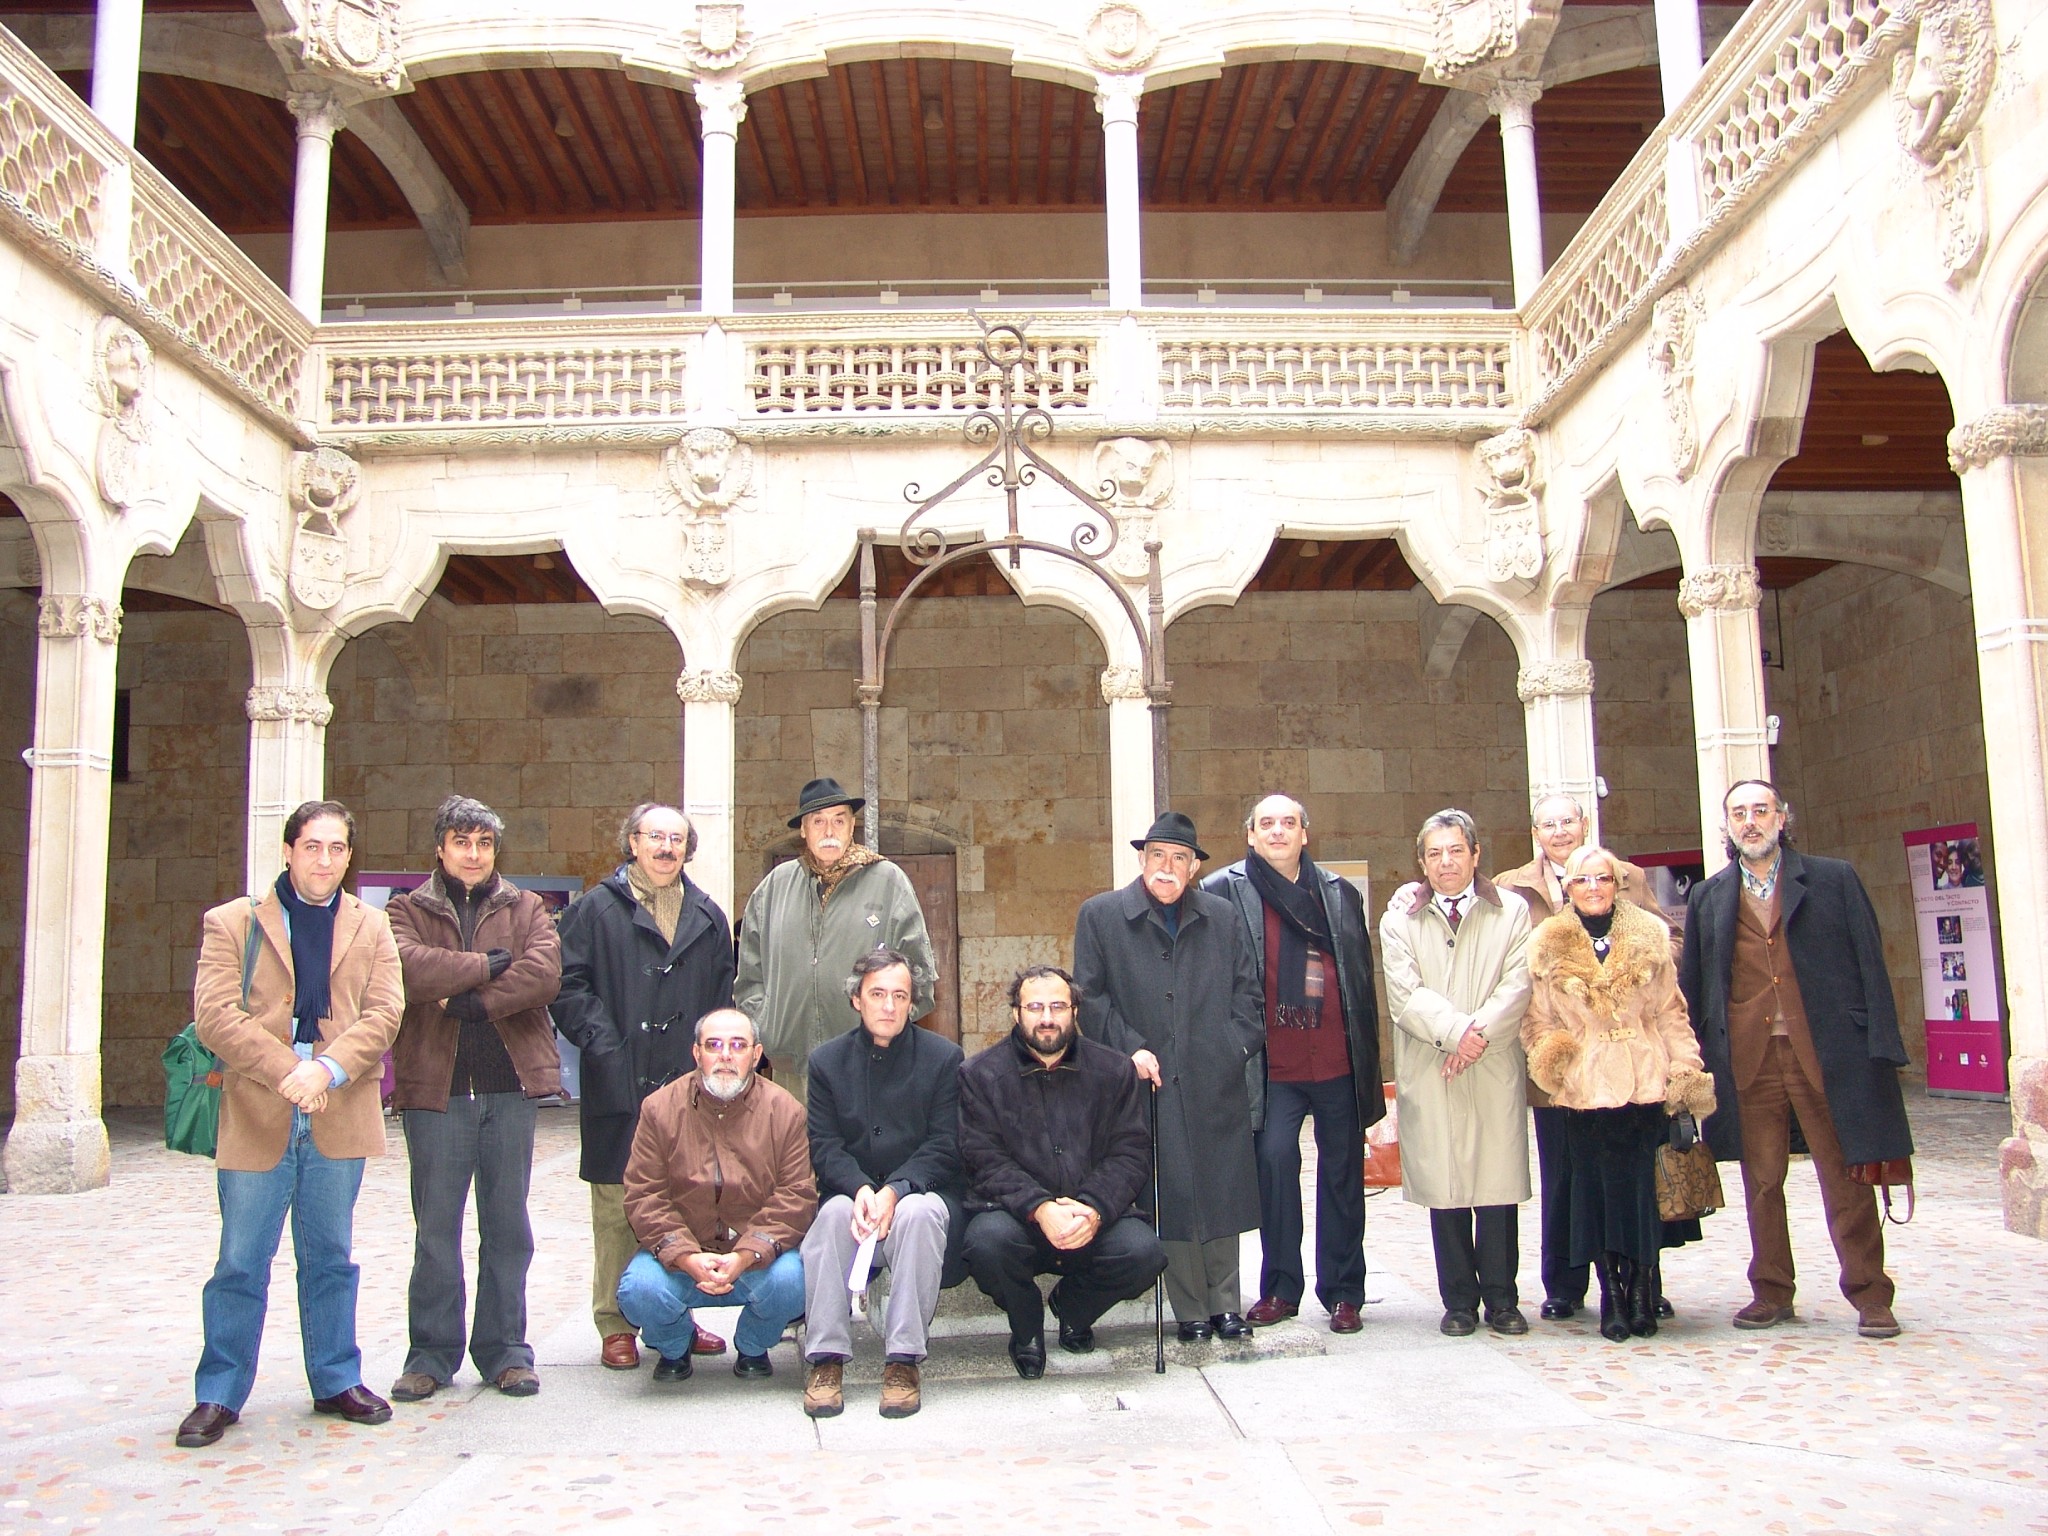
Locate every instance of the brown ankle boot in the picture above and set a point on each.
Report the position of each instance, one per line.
(901, 1392)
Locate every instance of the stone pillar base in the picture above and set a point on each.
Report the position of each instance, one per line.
(2023, 1156)
(59, 1143)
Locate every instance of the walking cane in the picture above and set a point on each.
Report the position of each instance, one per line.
(1158, 1280)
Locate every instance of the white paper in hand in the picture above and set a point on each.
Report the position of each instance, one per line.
(863, 1262)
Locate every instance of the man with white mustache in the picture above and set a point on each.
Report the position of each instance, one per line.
(810, 919)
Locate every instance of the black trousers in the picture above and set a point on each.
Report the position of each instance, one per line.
(1006, 1257)
(1562, 1279)
(1474, 1267)
(1340, 1192)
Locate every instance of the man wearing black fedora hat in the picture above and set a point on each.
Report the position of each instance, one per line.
(810, 919)
(1168, 977)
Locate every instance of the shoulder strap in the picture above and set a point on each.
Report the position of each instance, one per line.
(249, 953)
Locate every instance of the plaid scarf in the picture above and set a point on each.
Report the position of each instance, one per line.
(1303, 925)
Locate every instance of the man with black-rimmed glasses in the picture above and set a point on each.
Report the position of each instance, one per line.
(645, 955)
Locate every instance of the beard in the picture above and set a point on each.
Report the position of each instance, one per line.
(1056, 1047)
(1765, 849)
(725, 1086)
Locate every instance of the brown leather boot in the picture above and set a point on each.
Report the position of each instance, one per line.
(824, 1393)
(902, 1394)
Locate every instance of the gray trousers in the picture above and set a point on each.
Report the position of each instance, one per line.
(488, 1140)
(914, 1253)
(1201, 1278)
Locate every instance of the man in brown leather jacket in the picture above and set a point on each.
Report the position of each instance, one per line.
(477, 1047)
(720, 1191)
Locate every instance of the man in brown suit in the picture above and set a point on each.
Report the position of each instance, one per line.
(1784, 975)
(1558, 825)
(299, 994)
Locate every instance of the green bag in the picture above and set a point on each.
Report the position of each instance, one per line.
(193, 1077)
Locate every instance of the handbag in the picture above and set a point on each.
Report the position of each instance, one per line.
(1383, 1147)
(1882, 1176)
(1688, 1179)
(193, 1078)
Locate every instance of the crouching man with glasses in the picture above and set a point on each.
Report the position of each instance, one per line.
(645, 955)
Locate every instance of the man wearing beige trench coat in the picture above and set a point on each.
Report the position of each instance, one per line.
(1454, 952)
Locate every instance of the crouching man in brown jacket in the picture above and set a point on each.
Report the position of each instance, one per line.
(719, 1191)
(482, 963)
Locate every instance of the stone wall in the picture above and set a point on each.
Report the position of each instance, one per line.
(1884, 732)
(17, 729)
(175, 840)
(1642, 722)
(559, 716)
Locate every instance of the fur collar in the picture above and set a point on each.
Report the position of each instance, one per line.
(1561, 953)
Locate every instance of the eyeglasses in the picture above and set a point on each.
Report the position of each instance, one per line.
(1591, 881)
(664, 839)
(1741, 814)
(1045, 1010)
(1558, 824)
(717, 1047)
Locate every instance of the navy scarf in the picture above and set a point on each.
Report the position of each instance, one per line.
(312, 930)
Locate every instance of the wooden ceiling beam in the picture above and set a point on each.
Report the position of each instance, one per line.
(815, 106)
(639, 102)
(1284, 76)
(887, 127)
(981, 132)
(1212, 90)
(842, 79)
(913, 75)
(1378, 85)
(578, 154)
(949, 137)
(785, 134)
(233, 161)
(428, 108)
(619, 125)
(675, 109)
(1247, 83)
(1163, 160)
(756, 144)
(1389, 136)
(1015, 133)
(1045, 101)
(514, 119)
(1074, 137)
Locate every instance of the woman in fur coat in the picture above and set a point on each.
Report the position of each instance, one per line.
(1608, 1040)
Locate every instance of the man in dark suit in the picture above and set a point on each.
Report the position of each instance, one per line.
(1784, 974)
(1307, 932)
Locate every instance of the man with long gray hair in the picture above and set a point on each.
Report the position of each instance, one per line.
(645, 955)
(474, 1051)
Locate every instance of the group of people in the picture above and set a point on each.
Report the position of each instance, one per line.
(1203, 1022)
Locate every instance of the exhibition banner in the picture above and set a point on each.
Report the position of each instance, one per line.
(1961, 999)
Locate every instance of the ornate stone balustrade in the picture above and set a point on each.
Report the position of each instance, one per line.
(1604, 280)
(50, 178)
(1269, 365)
(934, 371)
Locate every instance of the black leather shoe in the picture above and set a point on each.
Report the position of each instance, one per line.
(1459, 1323)
(1230, 1325)
(1196, 1332)
(1028, 1355)
(1664, 1311)
(676, 1369)
(205, 1424)
(1075, 1338)
(752, 1367)
(1556, 1309)
(359, 1405)
(1508, 1320)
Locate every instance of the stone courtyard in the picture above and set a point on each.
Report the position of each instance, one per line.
(1702, 1429)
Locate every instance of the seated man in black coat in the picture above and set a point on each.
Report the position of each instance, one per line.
(883, 1103)
(1052, 1133)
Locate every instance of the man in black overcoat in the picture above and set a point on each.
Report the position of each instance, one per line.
(645, 955)
(1167, 976)
(1784, 975)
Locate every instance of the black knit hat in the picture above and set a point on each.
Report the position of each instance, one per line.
(1171, 827)
(822, 795)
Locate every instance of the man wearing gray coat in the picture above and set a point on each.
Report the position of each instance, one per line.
(1455, 956)
(1167, 976)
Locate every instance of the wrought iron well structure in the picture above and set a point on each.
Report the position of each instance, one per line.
(1011, 463)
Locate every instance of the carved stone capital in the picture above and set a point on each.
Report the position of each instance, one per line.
(1117, 97)
(721, 106)
(65, 616)
(2000, 432)
(1122, 683)
(320, 114)
(708, 687)
(1720, 589)
(310, 706)
(1514, 101)
(1118, 40)
(719, 39)
(1554, 679)
(354, 39)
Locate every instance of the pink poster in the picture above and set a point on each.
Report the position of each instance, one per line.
(1962, 1002)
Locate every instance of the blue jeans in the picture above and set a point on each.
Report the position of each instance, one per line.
(658, 1301)
(320, 1194)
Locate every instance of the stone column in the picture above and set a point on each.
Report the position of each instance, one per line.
(2002, 458)
(320, 118)
(287, 767)
(1678, 48)
(1130, 767)
(1514, 103)
(58, 1144)
(708, 698)
(117, 65)
(722, 106)
(1116, 98)
(1719, 603)
(1557, 714)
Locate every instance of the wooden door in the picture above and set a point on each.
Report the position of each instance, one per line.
(932, 877)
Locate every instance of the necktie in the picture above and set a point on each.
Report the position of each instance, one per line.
(1454, 903)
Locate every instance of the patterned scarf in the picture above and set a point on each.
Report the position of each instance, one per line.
(857, 856)
(312, 930)
(664, 902)
(1303, 925)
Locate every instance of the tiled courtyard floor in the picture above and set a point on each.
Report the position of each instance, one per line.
(1701, 1430)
